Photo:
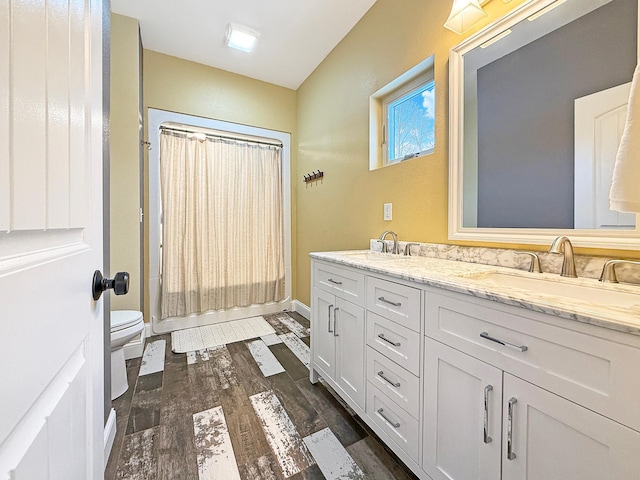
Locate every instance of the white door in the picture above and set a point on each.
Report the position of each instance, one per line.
(51, 359)
(462, 415)
(350, 342)
(599, 122)
(555, 439)
(324, 343)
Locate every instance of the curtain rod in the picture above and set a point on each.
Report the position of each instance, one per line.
(224, 137)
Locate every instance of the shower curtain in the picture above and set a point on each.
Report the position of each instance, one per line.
(222, 226)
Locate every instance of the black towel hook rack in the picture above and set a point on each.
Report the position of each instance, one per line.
(310, 177)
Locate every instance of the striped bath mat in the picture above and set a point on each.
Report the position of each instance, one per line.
(209, 336)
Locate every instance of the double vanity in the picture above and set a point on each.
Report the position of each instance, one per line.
(470, 371)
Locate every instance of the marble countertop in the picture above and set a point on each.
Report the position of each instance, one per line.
(466, 278)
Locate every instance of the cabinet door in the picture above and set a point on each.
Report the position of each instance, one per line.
(349, 330)
(462, 415)
(324, 350)
(555, 439)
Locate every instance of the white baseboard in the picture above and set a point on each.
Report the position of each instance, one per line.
(135, 348)
(301, 308)
(109, 435)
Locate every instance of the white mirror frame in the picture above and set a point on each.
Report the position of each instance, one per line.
(610, 239)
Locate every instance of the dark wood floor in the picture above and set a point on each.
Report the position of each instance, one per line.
(155, 436)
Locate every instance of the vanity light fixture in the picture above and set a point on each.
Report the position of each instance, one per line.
(465, 14)
(241, 37)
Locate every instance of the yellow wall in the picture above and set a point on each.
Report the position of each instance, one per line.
(181, 86)
(124, 158)
(345, 210)
(328, 119)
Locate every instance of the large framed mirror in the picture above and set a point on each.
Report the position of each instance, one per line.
(537, 106)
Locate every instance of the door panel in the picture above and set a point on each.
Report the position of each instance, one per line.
(350, 344)
(324, 350)
(51, 239)
(599, 122)
(555, 439)
(29, 115)
(57, 121)
(455, 447)
(5, 192)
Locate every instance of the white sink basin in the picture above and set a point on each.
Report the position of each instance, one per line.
(577, 289)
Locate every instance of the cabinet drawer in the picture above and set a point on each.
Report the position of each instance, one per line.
(395, 302)
(394, 341)
(394, 421)
(592, 371)
(400, 386)
(341, 282)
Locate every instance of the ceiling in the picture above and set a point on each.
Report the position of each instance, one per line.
(295, 35)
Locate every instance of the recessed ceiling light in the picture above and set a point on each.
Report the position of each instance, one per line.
(241, 37)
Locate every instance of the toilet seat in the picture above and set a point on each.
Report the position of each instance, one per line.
(126, 325)
(121, 319)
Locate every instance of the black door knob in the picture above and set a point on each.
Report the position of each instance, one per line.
(119, 283)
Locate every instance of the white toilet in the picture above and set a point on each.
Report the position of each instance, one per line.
(125, 326)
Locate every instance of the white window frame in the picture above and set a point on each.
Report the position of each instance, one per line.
(410, 81)
(405, 91)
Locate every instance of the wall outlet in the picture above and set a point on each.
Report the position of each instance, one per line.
(388, 211)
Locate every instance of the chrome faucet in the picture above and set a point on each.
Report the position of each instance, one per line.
(385, 249)
(609, 270)
(562, 245)
(407, 248)
(534, 263)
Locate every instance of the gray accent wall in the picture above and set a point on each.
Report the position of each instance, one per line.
(526, 110)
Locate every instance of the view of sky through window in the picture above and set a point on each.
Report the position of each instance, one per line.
(412, 123)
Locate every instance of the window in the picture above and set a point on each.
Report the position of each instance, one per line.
(402, 117)
(410, 123)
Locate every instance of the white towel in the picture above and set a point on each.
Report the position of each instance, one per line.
(624, 195)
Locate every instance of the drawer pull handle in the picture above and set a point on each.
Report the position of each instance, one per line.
(487, 438)
(520, 348)
(329, 326)
(382, 337)
(393, 424)
(394, 384)
(510, 454)
(395, 304)
(335, 322)
(335, 282)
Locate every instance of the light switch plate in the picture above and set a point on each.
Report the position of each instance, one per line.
(388, 211)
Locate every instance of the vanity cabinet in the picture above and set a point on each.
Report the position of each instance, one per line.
(393, 362)
(338, 329)
(465, 388)
(555, 439)
(509, 427)
(482, 423)
(462, 415)
(592, 366)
